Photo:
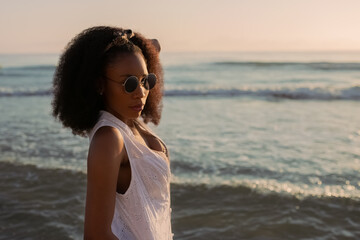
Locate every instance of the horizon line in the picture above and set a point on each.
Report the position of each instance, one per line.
(211, 51)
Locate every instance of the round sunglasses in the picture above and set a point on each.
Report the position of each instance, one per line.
(132, 82)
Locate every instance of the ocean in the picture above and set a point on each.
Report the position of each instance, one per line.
(263, 145)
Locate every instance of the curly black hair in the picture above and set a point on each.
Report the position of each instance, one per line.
(77, 78)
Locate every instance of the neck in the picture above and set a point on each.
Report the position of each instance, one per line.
(129, 122)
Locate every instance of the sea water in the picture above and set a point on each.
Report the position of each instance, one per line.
(262, 146)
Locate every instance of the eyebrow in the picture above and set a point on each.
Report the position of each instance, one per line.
(129, 75)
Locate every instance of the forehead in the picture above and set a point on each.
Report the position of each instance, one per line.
(127, 64)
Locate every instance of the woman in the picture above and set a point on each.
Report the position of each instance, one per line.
(106, 79)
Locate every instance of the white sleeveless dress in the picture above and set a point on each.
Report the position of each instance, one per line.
(143, 211)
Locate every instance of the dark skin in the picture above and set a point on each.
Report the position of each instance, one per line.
(108, 167)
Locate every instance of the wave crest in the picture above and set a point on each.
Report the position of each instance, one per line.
(8, 92)
(325, 66)
(300, 93)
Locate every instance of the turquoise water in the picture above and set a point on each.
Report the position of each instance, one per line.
(262, 146)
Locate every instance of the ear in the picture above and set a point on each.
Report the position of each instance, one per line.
(100, 86)
(156, 43)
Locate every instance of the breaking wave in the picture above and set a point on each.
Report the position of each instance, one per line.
(299, 93)
(296, 93)
(325, 66)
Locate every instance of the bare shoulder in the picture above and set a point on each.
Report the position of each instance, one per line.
(107, 142)
(105, 155)
(108, 134)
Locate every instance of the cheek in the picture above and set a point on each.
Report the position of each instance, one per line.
(114, 96)
(146, 96)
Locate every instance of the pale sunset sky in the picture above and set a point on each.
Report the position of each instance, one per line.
(46, 26)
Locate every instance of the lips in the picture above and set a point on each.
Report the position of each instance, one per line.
(138, 107)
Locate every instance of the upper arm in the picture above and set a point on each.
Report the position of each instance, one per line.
(106, 152)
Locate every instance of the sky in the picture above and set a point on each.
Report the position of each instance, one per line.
(46, 26)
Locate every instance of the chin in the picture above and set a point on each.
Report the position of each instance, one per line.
(135, 116)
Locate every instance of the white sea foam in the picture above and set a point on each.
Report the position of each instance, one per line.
(306, 92)
(270, 186)
(10, 92)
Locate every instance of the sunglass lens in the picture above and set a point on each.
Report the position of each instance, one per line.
(151, 80)
(145, 83)
(131, 84)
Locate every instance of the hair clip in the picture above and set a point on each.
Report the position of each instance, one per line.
(126, 35)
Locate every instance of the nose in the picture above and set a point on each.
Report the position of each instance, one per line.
(140, 91)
